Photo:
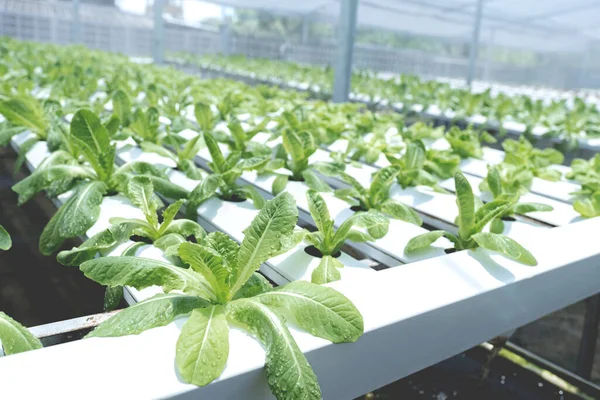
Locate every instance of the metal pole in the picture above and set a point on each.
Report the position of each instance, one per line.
(343, 66)
(583, 70)
(474, 43)
(305, 30)
(589, 336)
(158, 39)
(488, 61)
(53, 25)
(226, 34)
(75, 22)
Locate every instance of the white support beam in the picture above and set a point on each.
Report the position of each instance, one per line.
(158, 34)
(474, 43)
(75, 23)
(343, 66)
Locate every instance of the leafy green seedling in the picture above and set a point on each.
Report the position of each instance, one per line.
(204, 117)
(587, 199)
(241, 140)
(583, 171)
(40, 118)
(15, 338)
(377, 196)
(588, 206)
(508, 187)
(512, 180)
(471, 221)
(89, 183)
(421, 131)
(467, 142)
(369, 149)
(145, 126)
(5, 240)
(183, 156)
(414, 165)
(522, 153)
(294, 156)
(223, 181)
(163, 235)
(328, 241)
(221, 286)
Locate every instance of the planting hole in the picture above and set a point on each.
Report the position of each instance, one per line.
(313, 251)
(509, 219)
(450, 251)
(140, 239)
(294, 179)
(357, 208)
(234, 199)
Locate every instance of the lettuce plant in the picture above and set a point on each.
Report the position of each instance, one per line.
(585, 170)
(421, 131)
(328, 241)
(171, 97)
(587, 199)
(471, 222)
(89, 183)
(588, 205)
(415, 167)
(145, 126)
(223, 181)
(522, 153)
(369, 149)
(241, 140)
(294, 156)
(27, 113)
(512, 180)
(5, 240)
(15, 338)
(377, 196)
(162, 235)
(183, 156)
(508, 187)
(441, 163)
(204, 117)
(467, 142)
(221, 287)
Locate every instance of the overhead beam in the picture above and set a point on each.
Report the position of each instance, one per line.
(343, 66)
(158, 34)
(474, 44)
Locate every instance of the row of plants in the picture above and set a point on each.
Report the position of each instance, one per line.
(214, 278)
(85, 107)
(557, 118)
(523, 160)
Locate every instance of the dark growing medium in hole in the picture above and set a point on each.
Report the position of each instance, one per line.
(357, 208)
(141, 239)
(510, 219)
(234, 199)
(450, 251)
(111, 193)
(294, 179)
(313, 251)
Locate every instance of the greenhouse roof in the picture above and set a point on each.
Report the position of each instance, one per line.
(549, 25)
